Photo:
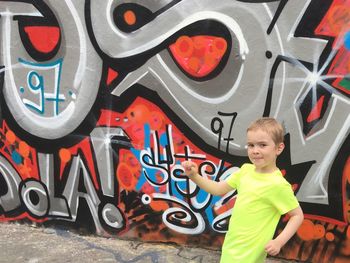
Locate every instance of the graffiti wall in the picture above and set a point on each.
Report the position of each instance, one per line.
(102, 100)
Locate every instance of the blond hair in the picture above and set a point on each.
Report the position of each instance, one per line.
(271, 126)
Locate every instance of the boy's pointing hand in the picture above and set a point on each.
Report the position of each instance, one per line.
(190, 168)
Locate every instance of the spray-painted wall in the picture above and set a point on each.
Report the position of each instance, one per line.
(101, 101)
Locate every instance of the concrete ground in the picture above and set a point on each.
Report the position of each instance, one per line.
(31, 244)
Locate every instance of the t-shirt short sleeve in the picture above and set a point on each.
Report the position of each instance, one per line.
(234, 178)
(283, 198)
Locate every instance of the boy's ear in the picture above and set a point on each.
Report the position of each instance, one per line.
(280, 148)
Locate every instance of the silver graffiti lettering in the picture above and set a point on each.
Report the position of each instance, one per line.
(102, 138)
(35, 197)
(58, 205)
(49, 99)
(10, 200)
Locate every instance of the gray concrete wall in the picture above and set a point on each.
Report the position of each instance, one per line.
(101, 100)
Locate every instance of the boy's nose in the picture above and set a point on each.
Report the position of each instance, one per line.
(255, 150)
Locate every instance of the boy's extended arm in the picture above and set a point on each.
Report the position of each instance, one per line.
(210, 186)
(274, 246)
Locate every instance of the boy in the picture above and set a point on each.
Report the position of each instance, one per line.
(263, 196)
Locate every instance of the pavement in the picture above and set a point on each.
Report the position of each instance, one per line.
(30, 243)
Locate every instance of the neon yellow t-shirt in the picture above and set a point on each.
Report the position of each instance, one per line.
(261, 200)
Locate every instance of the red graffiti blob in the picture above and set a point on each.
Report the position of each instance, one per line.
(316, 111)
(125, 177)
(335, 24)
(112, 75)
(18, 152)
(335, 21)
(43, 38)
(198, 55)
(307, 230)
(130, 17)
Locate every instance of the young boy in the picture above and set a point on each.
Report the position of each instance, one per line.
(263, 196)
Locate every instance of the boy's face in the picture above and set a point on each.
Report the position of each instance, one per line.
(262, 150)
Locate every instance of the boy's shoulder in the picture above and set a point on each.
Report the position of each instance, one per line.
(278, 181)
(247, 167)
